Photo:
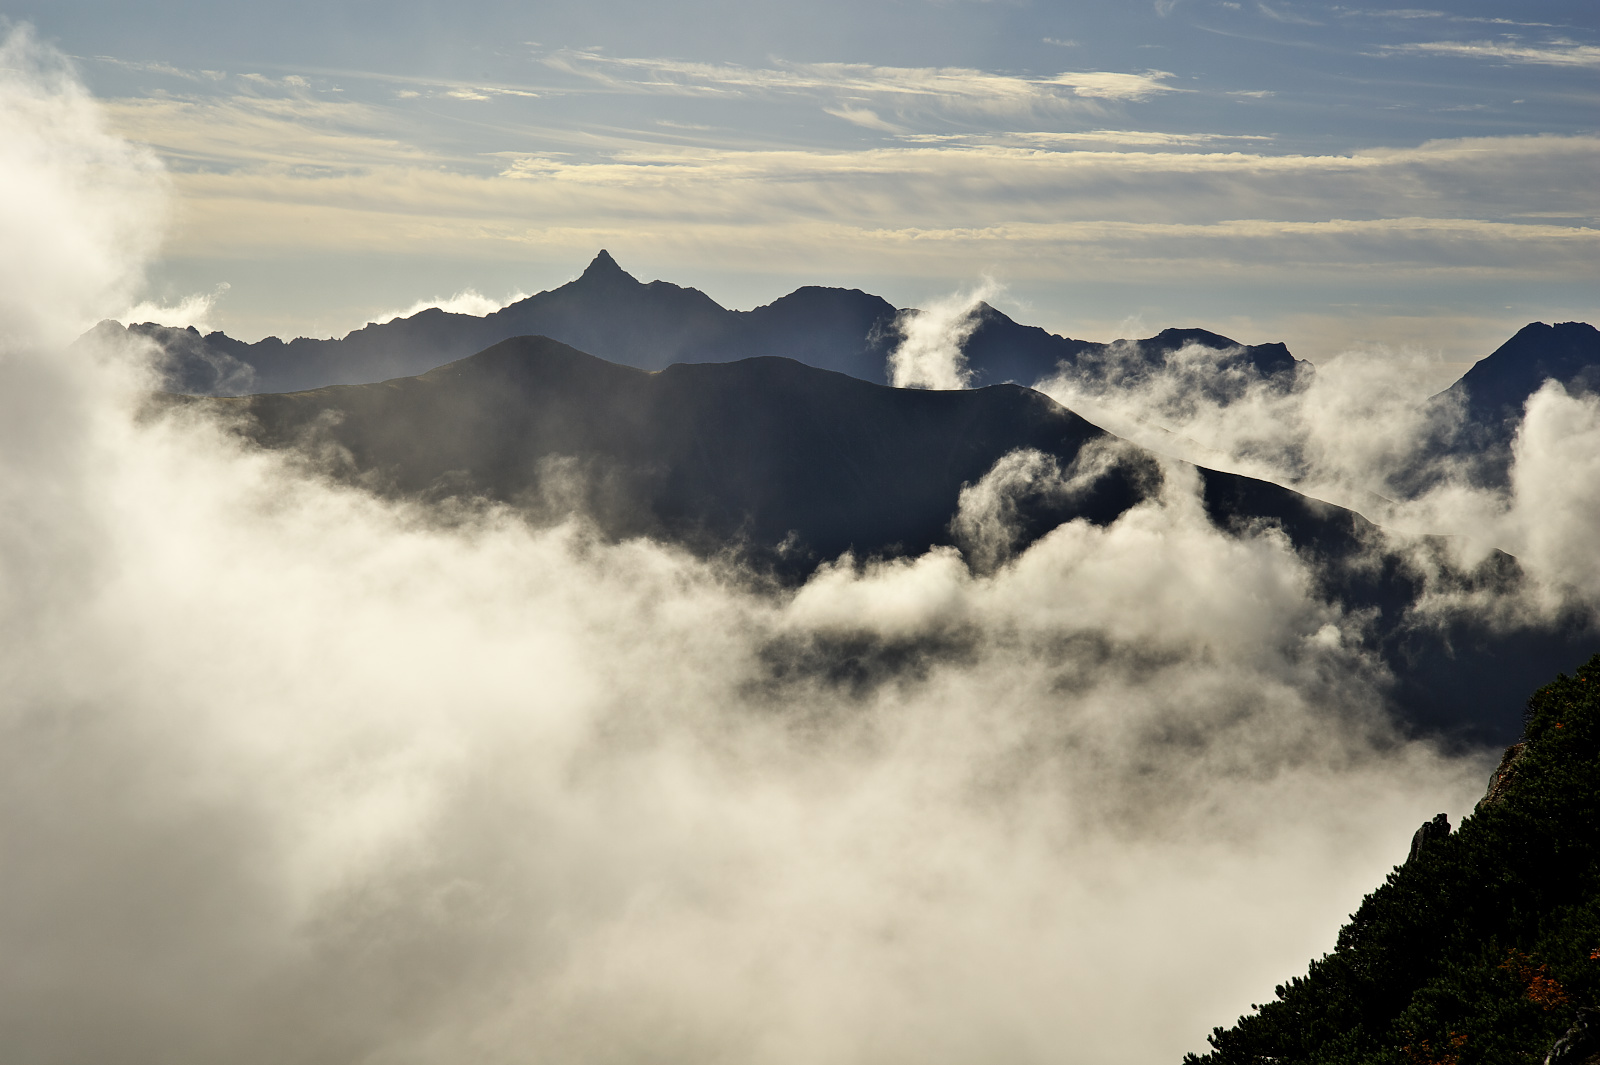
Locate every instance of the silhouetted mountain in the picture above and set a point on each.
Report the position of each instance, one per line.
(1000, 349)
(1492, 394)
(760, 452)
(1496, 387)
(608, 312)
(789, 466)
(605, 310)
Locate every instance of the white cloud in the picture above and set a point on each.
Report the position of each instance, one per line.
(956, 87)
(929, 354)
(1118, 137)
(1554, 53)
(73, 188)
(274, 175)
(194, 310)
(1284, 14)
(1411, 13)
(1105, 85)
(467, 301)
(863, 117)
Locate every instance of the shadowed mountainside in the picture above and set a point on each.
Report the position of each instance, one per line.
(1493, 393)
(762, 452)
(791, 466)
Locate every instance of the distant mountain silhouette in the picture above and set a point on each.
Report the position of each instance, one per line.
(1496, 387)
(1000, 349)
(605, 310)
(789, 465)
(608, 312)
(1479, 415)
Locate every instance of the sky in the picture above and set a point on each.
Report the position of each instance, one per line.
(1335, 176)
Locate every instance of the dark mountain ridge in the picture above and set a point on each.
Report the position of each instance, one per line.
(608, 312)
(1496, 387)
(789, 466)
(1492, 395)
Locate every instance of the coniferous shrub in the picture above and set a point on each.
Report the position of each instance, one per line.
(1482, 948)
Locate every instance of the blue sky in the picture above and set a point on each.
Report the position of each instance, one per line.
(1331, 175)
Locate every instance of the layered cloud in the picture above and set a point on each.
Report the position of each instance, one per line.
(1558, 53)
(291, 172)
(951, 87)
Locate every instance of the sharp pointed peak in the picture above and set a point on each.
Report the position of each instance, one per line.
(604, 266)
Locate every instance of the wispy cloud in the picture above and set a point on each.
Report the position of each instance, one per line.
(1106, 85)
(1099, 137)
(163, 69)
(1416, 13)
(1284, 14)
(1559, 53)
(468, 301)
(264, 173)
(193, 310)
(864, 117)
(947, 86)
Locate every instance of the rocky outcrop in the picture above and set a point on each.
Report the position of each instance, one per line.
(1438, 828)
(1502, 778)
(1581, 1044)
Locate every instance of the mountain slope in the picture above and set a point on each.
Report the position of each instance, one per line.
(1492, 394)
(1496, 387)
(1483, 947)
(760, 451)
(1000, 349)
(790, 466)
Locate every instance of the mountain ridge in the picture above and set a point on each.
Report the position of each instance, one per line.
(608, 312)
(791, 466)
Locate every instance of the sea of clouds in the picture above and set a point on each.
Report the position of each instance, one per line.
(292, 774)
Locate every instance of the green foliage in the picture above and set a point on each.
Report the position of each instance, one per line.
(1481, 950)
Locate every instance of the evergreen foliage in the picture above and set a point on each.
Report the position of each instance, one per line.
(1481, 949)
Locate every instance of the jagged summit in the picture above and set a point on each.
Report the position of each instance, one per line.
(1568, 352)
(1493, 393)
(604, 268)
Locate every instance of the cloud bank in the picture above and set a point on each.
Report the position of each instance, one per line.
(1354, 431)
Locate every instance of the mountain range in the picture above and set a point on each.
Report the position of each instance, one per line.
(609, 313)
(770, 434)
(786, 466)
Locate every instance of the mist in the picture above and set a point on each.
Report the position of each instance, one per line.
(929, 354)
(1360, 431)
(292, 773)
